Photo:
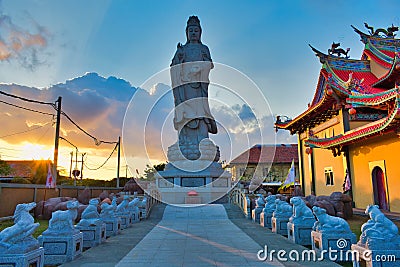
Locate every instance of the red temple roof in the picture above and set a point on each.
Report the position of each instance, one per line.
(280, 153)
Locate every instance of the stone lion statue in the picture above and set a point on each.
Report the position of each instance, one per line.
(301, 213)
(123, 206)
(283, 209)
(328, 223)
(18, 238)
(107, 211)
(90, 216)
(260, 202)
(270, 206)
(62, 221)
(379, 232)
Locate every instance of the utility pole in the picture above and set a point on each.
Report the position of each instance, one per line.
(83, 154)
(55, 159)
(119, 159)
(70, 166)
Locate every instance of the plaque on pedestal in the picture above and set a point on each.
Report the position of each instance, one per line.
(279, 225)
(93, 235)
(61, 249)
(32, 258)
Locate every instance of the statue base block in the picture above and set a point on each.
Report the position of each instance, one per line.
(125, 220)
(61, 249)
(265, 220)
(255, 215)
(210, 184)
(93, 235)
(33, 258)
(279, 225)
(142, 213)
(113, 226)
(135, 217)
(299, 234)
(375, 258)
(339, 244)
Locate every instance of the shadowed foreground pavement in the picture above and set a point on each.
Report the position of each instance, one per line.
(116, 247)
(210, 235)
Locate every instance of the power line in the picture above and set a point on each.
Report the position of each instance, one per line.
(95, 169)
(37, 111)
(27, 100)
(96, 141)
(8, 135)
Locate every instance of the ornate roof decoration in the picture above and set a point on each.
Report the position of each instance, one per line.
(383, 33)
(335, 49)
(350, 83)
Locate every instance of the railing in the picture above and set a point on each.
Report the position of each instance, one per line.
(152, 199)
(239, 198)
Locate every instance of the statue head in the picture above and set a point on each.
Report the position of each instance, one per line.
(193, 30)
(94, 201)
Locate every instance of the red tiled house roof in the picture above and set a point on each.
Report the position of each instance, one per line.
(280, 153)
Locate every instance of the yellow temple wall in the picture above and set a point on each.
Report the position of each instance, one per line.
(323, 158)
(378, 151)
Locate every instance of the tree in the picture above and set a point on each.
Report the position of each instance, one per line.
(150, 171)
(5, 169)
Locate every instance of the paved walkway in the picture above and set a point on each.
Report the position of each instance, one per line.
(212, 235)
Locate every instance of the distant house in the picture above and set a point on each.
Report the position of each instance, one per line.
(270, 163)
(26, 169)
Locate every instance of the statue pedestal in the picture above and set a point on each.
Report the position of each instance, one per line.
(255, 214)
(265, 220)
(59, 249)
(279, 225)
(135, 215)
(142, 213)
(339, 245)
(375, 258)
(125, 219)
(32, 258)
(113, 226)
(93, 235)
(211, 184)
(299, 234)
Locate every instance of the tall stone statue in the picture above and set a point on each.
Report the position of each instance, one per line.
(190, 70)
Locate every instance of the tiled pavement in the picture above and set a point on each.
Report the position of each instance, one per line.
(211, 235)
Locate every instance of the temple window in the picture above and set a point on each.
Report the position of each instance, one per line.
(328, 176)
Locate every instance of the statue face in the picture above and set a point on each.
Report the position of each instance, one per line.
(193, 34)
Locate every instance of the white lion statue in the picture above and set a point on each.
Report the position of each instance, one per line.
(301, 213)
(62, 221)
(379, 232)
(18, 238)
(329, 224)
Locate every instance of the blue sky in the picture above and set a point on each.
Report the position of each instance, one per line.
(133, 40)
(267, 40)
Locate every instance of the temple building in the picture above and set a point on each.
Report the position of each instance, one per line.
(348, 138)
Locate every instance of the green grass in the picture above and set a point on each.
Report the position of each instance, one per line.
(44, 224)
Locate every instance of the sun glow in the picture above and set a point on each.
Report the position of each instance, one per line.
(36, 152)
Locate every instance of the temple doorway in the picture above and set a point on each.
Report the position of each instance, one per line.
(379, 188)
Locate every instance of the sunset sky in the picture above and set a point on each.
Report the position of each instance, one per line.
(97, 53)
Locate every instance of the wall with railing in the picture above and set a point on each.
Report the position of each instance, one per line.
(13, 194)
